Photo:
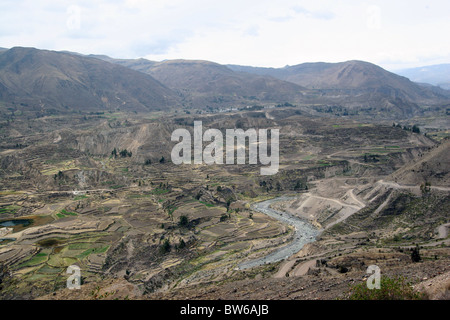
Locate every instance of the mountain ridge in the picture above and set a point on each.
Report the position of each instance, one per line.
(61, 82)
(51, 82)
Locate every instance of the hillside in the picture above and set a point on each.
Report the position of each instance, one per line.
(49, 82)
(356, 78)
(355, 88)
(207, 83)
(343, 75)
(42, 82)
(432, 166)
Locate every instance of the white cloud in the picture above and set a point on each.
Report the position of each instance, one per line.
(265, 33)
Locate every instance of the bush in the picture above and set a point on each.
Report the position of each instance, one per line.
(184, 221)
(390, 289)
(415, 254)
(165, 247)
(182, 244)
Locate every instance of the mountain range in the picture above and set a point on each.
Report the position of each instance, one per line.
(437, 75)
(50, 82)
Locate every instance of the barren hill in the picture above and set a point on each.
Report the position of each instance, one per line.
(363, 88)
(359, 81)
(432, 166)
(50, 82)
(343, 75)
(208, 83)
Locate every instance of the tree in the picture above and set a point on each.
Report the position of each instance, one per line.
(165, 247)
(184, 221)
(415, 129)
(228, 203)
(125, 153)
(415, 255)
(181, 244)
(162, 160)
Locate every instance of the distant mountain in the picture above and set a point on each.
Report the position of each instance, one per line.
(359, 84)
(438, 75)
(356, 87)
(349, 75)
(204, 83)
(50, 82)
(47, 82)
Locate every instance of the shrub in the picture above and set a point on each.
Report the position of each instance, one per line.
(390, 289)
(184, 221)
(165, 247)
(415, 254)
(182, 244)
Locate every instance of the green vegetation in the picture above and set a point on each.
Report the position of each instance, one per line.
(158, 190)
(184, 221)
(68, 213)
(123, 153)
(390, 289)
(415, 254)
(171, 210)
(165, 247)
(206, 204)
(80, 197)
(182, 244)
(12, 209)
(63, 213)
(35, 260)
(118, 186)
(90, 251)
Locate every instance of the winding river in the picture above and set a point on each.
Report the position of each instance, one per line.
(304, 233)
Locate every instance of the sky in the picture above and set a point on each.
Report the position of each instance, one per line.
(394, 34)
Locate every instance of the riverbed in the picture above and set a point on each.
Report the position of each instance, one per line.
(304, 233)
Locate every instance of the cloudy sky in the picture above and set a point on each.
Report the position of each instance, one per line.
(394, 33)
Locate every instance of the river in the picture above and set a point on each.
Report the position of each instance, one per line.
(304, 233)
